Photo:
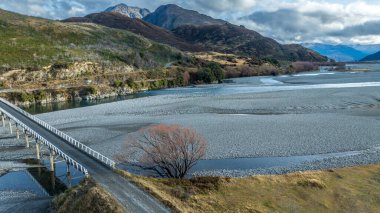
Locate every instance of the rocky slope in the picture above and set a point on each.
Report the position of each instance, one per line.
(229, 38)
(131, 12)
(221, 36)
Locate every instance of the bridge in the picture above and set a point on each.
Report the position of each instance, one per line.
(83, 158)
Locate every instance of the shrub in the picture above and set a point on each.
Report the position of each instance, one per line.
(118, 83)
(168, 150)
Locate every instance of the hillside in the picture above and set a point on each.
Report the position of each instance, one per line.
(137, 26)
(172, 16)
(32, 43)
(373, 57)
(229, 38)
(221, 36)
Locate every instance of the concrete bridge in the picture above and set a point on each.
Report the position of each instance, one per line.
(83, 158)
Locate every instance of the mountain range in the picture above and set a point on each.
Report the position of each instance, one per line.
(191, 31)
(344, 53)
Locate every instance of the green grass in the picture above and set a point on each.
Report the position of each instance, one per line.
(32, 43)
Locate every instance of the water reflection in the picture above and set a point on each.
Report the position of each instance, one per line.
(51, 107)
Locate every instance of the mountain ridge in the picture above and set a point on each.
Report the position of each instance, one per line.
(137, 26)
(373, 57)
(172, 16)
(222, 36)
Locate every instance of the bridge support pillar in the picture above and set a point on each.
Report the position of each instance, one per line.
(68, 175)
(52, 154)
(3, 120)
(38, 149)
(10, 126)
(17, 132)
(26, 139)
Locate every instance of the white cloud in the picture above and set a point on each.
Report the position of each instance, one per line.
(332, 21)
(224, 5)
(325, 21)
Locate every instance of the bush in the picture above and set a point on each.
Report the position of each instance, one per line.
(206, 75)
(118, 84)
(217, 70)
(40, 95)
(26, 97)
(91, 90)
(210, 73)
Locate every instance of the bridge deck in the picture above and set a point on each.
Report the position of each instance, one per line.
(133, 198)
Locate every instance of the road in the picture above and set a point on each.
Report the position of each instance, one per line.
(130, 196)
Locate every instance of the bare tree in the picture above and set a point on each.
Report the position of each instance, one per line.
(168, 150)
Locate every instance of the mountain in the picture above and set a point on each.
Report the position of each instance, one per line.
(229, 38)
(221, 36)
(137, 26)
(368, 49)
(172, 16)
(373, 57)
(343, 53)
(131, 12)
(32, 43)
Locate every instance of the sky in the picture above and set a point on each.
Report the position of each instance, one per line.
(287, 21)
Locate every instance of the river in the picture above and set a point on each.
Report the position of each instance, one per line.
(255, 125)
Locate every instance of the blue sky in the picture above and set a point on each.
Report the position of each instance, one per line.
(288, 21)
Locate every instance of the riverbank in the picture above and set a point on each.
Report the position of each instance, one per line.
(355, 189)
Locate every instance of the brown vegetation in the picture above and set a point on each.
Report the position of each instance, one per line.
(168, 150)
(87, 197)
(354, 189)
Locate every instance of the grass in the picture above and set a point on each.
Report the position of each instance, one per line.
(354, 189)
(87, 197)
(32, 43)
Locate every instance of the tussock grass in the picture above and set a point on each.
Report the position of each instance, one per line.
(87, 197)
(354, 189)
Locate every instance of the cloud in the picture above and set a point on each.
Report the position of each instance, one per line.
(224, 5)
(288, 21)
(317, 21)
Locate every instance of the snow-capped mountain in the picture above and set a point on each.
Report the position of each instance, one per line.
(131, 12)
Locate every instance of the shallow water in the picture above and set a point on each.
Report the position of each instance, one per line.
(39, 180)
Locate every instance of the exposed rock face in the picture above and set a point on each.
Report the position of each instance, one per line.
(172, 16)
(131, 12)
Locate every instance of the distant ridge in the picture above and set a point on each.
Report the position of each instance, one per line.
(373, 57)
(343, 53)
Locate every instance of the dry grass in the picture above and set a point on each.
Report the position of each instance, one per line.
(224, 59)
(87, 197)
(342, 190)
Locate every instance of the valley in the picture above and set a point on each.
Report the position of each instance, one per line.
(188, 107)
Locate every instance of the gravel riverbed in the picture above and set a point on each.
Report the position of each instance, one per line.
(258, 124)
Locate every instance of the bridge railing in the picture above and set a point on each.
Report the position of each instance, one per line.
(47, 143)
(64, 136)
